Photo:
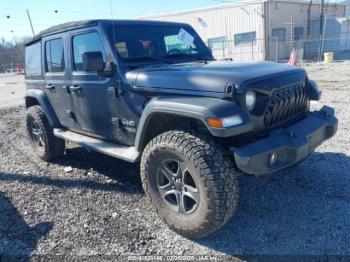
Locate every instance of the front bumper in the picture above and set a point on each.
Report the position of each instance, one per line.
(291, 144)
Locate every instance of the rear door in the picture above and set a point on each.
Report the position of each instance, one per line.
(94, 96)
(55, 75)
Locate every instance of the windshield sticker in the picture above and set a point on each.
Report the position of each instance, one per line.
(122, 49)
(185, 38)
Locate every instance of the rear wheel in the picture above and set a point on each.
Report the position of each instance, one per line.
(190, 182)
(40, 134)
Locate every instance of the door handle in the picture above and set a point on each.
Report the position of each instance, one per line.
(50, 86)
(65, 88)
(75, 88)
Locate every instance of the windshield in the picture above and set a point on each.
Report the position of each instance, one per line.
(163, 43)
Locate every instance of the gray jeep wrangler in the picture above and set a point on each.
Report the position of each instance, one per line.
(152, 92)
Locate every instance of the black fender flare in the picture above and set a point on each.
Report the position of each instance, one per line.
(199, 108)
(45, 104)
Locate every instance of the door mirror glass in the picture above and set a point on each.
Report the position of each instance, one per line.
(93, 61)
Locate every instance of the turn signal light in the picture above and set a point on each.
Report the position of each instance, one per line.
(225, 122)
(214, 122)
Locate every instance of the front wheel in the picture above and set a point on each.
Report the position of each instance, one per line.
(192, 185)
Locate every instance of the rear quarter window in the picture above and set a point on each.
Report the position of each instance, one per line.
(54, 53)
(33, 60)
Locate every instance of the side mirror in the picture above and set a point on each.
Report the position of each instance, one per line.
(93, 61)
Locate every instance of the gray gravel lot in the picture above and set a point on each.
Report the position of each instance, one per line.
(99, 207)
(11, 90)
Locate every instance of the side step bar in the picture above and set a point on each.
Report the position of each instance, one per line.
(114, 150)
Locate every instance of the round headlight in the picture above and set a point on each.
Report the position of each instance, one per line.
(250, 99)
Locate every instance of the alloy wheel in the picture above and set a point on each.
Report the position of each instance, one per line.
(36, 134)
(177, 186)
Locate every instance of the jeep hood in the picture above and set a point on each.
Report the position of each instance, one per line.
(211, 77)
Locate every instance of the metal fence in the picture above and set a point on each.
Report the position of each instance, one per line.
(310, 50)
(251, 51)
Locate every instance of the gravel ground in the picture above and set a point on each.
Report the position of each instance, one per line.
(99, 208)
(12, 90)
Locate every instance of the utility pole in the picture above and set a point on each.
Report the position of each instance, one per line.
(321, 17)
(308, 38)
(321, 29)
(322, 37)
(291, 33)
(30, 22)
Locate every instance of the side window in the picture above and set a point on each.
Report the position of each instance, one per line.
(216, 42)
(298, 33)
(279, 33)
(54, 56)
(89, 42)
(33, 59)
(245, 38)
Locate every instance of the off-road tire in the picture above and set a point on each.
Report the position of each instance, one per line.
(215, 173)
(52, 147)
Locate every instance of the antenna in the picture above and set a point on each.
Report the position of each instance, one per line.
(30, 22)
(118, 91)
(113, 27)
(111, 8)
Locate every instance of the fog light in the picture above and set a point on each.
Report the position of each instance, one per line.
(273, 159)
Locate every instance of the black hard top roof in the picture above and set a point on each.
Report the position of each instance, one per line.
(86, 23)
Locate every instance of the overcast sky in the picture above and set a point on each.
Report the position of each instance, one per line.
(45, 13)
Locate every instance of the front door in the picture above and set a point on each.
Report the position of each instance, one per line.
(56, 85)
(94, 96)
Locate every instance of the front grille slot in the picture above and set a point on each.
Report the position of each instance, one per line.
(285, 104)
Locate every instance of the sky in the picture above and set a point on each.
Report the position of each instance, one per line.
(45, 13)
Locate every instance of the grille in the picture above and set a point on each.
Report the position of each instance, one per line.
(285, 104)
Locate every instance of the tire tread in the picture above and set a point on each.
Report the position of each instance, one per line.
(220, 171)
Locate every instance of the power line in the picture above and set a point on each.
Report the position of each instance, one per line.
(58, 11)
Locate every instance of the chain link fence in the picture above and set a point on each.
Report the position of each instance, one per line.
(308, 50)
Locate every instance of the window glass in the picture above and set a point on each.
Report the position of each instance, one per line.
(245, 38)
(298, 33)
(172, 42)
(89, 42)
(33, 59)
(54, 56)
(216, 42)
(279, 33)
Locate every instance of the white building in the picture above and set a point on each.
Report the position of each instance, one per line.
(254, 29)
(347, 3)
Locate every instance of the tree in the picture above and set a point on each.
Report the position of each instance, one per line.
(11, 53)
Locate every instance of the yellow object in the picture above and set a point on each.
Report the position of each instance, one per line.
(214, 122)
(328, 57)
